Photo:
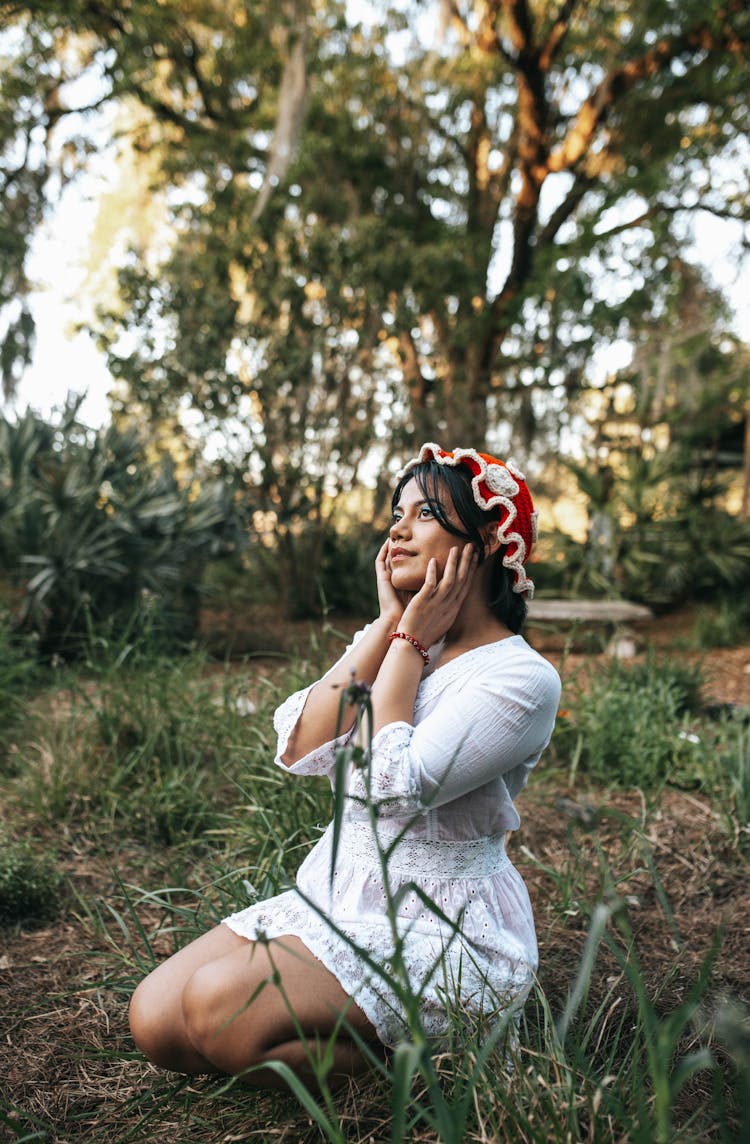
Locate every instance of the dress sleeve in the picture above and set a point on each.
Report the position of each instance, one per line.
(475, 734)
(321, 760)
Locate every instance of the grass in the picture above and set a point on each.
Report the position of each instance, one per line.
(155, 788)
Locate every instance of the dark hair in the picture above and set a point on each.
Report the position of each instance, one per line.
(434, 480)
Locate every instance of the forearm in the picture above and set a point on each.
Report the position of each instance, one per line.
(321, 718)
(394, 691)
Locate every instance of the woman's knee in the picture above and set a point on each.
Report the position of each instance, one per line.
(143, 1026)
(204, 1010)
(216, 1019)
(152, 1026)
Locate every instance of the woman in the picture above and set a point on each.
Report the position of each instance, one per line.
(462, 708)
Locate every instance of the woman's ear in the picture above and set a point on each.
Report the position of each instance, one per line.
(491, 540)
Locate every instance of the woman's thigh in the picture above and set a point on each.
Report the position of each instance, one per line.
(226, 1003)
(271, 993)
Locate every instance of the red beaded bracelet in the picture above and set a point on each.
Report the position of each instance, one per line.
(414, 643)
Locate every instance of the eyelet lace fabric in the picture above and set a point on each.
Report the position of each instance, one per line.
(435, 802)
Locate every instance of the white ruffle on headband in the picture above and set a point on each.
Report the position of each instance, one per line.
(495, 483)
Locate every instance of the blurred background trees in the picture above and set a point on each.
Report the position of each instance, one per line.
(332, 231)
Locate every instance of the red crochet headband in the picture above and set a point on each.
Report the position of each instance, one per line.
(495, 483)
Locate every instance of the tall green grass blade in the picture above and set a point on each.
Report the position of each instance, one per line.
(21, 1133)
(597, 928)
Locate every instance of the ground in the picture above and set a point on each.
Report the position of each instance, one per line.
(65, 1056)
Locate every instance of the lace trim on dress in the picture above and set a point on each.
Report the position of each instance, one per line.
(285, 717)
(387, 780)
(319, 761)
(422, 857)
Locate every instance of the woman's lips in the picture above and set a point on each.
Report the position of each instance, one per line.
(399, 554)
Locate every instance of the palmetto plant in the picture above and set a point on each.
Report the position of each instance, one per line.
(91, 528)
(669, 540)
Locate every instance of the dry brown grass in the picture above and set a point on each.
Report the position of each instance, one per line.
(70, 1071)
(68, 1063)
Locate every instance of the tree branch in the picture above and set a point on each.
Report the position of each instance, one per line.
(620, 81)
(53, 114)
(167, 113)
(564, 211)
(412, 371)
(191, 54)
(521, 24)
(556, 35)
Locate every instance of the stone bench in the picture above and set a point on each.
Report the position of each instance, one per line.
(616, 617)
(597, 611)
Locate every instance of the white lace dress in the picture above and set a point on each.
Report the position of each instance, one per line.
(464, 931)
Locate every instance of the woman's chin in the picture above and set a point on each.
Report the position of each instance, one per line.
(402, 581)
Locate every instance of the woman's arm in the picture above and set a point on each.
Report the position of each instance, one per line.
(428, 616)
(319, 721)
(476, 733)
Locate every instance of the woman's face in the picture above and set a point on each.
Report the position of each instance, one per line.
(416, 537)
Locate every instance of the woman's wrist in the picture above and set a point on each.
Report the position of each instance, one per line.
(412, 641)
(389, 621)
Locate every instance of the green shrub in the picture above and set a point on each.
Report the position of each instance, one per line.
(631, 726)
(659, 532)
(734, 783)
(725, 626)
(94, 528)
(19, 670)
(31, 885)
(347, 575)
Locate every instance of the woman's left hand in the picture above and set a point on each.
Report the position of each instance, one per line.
(434, 608)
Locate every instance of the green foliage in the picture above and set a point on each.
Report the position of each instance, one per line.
(347, 580)
(28, 64)
(31, 885)
(418, 243)
(734, 762)
(156, 745)
(158, 749)
(19, 671)
(667, 435)
(335, 266)
(95, 531)
(167, 739)
(699, 552)
(724, 626)
(632, 726)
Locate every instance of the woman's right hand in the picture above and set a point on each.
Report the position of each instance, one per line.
(392, 603)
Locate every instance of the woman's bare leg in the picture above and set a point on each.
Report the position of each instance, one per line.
(156, 1020)
(225, 1004)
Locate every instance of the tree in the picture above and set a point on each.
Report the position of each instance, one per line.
(462, 223)
(664, 445)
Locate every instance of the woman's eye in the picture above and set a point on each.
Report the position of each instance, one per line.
(426, 511)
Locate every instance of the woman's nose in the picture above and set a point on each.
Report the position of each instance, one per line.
(399, 528)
